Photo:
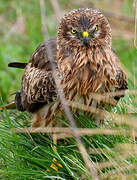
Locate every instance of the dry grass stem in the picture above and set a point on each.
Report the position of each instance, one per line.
(135, 36)
(68, 132)
(105, 97)
(120, 148)
(117, 173)
(121, 119)
(56, 8)
(68, 113)
(118, 16)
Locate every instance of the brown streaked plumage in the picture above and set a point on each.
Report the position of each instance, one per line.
(38, 86)
(84, 60)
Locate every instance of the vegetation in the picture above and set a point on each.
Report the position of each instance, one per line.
(24, 156)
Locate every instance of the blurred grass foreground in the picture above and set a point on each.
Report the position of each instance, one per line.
(111, 147)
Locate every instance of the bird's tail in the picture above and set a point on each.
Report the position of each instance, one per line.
(17, 65)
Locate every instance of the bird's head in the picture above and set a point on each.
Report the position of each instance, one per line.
(84, 27)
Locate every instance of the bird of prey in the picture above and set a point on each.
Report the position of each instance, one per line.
(84, 61)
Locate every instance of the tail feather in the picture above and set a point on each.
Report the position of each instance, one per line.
(17, 65)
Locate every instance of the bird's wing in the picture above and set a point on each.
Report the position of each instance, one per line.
(38, 86)
(17, 65)
(117, 75)
(121, 78)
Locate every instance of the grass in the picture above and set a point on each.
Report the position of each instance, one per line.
(23, 157)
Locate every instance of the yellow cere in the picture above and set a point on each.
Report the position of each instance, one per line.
(85, 33)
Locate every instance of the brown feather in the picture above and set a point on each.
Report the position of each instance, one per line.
(83, 69)
(38, 86)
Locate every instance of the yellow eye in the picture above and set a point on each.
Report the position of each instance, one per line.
(96, 28)
(73, 31)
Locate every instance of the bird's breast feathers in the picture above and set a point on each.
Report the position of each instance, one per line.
(89, 71)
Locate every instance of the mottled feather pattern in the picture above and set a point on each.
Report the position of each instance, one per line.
(38, 86)
(39, 58)
(84, 69)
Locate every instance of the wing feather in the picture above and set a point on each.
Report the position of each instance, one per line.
(17, 65)
(121, 75)
(38, 86)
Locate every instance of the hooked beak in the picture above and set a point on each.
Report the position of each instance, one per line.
(85, 36)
